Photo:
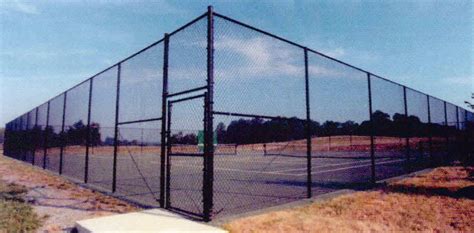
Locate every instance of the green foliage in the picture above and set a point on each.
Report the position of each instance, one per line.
(2, 135)
(15, 214)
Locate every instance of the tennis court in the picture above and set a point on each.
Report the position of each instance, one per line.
(246, 177)
(244, 118)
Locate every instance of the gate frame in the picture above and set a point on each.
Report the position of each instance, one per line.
(169, 106)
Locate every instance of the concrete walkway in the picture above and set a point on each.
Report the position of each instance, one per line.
(154, 220)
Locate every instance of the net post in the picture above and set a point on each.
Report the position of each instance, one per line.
(372, 145)
(62, 135)
(117, 103)
(309, 181)
(208, 122)
(88, 136)
(45, 141)
(163, 121)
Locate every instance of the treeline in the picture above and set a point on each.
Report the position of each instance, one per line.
(30, 139)
(257, 130)
(241, 131)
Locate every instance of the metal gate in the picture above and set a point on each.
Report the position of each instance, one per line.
(185, 155)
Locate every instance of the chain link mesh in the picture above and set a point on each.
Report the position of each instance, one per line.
(75, 130)
(287, 121)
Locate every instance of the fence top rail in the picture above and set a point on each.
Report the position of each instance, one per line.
(318, 53)
(252, 28)
(129, 57)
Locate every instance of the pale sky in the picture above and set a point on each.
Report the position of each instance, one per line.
(49, 46)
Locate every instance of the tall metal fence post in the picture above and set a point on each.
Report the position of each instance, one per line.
(23, 138)
(309, 181)
(168, 162)
(430, 132)
(208, 124)
(372, 145)
(88, 136)
(163, 121)
(116, 142)
(407, 129)
(20, 139)
(26, 136)
(457, 118)
(446, 131)
(35, 136)
(45, 141)
(467, 147)
(61, 152)
(457, 144)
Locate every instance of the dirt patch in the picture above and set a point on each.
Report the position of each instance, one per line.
(439, 201)
(59, 201)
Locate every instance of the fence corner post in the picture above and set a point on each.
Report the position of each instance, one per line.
(164, 96)
(208, 122)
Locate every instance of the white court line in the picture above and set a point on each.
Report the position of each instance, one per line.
(286, 174)
(332, 165)
(265, 159)
(346, 168)
(234, 170)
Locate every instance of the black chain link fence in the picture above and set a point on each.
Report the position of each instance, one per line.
(220, 118)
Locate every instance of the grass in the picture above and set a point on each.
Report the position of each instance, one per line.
(16, 215)
(440, 201)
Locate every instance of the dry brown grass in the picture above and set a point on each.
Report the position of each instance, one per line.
(33, 177)
(62, 201)
(440, 201)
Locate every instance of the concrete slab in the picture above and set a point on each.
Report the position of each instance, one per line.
(153, 220)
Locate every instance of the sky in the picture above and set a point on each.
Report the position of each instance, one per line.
(47, 47)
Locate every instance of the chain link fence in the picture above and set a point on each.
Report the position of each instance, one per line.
(219, 118)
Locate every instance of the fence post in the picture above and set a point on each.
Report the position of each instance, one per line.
(88, 136)
(372, 145)
(407, 129)
(163, 121)
(35, 136)
(26, 138)
(467, 147)
(430, 133)
(208, 122)
(168, 152)
(457, 118)
(45, 141)
(457, 144)
(19, 139)
(446, 132)
(309, 181)
(117, 102)
(62, 135)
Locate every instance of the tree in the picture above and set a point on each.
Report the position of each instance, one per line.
(221, 132)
